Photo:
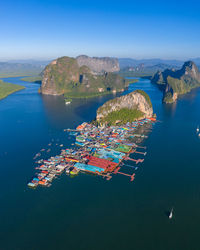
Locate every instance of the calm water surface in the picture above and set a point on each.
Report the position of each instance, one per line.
(88, 212)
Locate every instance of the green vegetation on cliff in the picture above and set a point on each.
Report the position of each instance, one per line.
(64, 76)
(146, 96)
(8, 88)
(178, 85)
(177, 82)
(126, 108)
(168, 98)
(122, 116)
(93, 86)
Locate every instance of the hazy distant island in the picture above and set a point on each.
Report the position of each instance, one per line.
(177, 82)
(128, 108)
(8, 88)
(21, 68)
(82, 76)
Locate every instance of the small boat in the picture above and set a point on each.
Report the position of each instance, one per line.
(199, 134)
(67, 102)
(171, 214)
(198, 129)
(32, 185)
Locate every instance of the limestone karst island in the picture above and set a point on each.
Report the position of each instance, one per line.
(82, 77)
(177, 82)
(99, 125)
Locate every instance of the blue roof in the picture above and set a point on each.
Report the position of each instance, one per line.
(86, 167)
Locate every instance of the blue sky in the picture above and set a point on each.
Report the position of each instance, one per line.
(138, 29)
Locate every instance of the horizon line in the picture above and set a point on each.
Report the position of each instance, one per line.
(133, 58)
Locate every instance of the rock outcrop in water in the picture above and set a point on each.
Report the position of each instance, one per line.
(177, 82)
(82, 77)
(133, 106)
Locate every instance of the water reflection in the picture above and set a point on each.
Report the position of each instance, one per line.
(58, 113)
(169, 110)
(191, 96)
(61, 115)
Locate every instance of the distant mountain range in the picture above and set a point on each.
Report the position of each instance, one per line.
(130, 62)
(148, 67)
(20, 69)
(30, 62)
(127, 66)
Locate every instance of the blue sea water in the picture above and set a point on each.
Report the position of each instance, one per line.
(88, 212)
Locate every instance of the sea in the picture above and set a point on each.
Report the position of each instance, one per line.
(88, 212)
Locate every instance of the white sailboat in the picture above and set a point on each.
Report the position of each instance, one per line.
(171, 214)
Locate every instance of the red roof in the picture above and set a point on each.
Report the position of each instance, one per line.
(98, 162)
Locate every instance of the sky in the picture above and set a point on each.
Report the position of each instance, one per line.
(47, 29)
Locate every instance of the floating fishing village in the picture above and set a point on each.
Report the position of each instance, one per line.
(103, 151)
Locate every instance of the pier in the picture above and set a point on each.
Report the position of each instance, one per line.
(132, 176)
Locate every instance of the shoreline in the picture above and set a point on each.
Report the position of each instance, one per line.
(7, 89)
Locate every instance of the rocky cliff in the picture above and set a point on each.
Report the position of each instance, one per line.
(133, 106)
(177, 82)
(73, 78)
(99, 64)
